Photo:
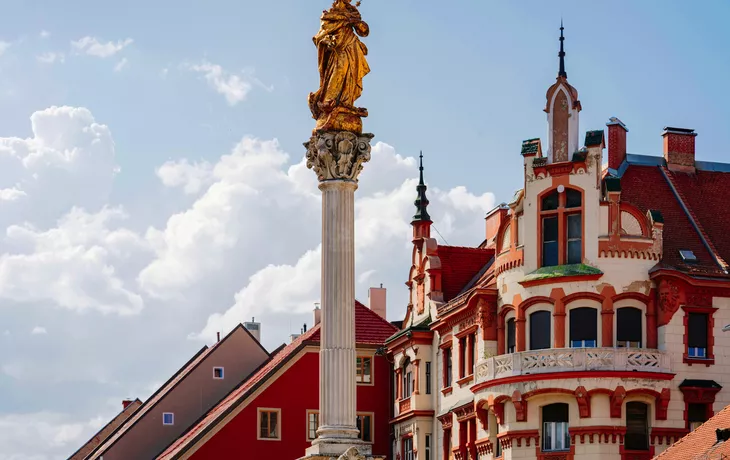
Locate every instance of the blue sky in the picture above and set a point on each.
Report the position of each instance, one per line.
(138, 219)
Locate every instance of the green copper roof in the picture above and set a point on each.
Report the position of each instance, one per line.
(422, 326)
(530, 146)
(559, 271)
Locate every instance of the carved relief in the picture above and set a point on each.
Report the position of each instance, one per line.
(699, 298)
(668, 296)
(338, 155)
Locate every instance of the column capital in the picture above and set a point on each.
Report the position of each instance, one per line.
(338, 155)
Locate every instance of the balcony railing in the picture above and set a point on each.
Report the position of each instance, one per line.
(404, 405)
(572, 359)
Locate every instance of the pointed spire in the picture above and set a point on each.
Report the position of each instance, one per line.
(421, 200)
(561, 54)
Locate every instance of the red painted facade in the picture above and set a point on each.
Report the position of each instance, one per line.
(295, 392)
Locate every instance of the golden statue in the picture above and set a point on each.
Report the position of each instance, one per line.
(342, 66)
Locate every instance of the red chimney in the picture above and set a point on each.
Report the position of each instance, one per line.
(494, 218)
(679, 149)
(616, 142)
(126, 403)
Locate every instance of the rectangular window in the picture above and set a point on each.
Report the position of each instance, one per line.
(637, 426)
(365, 425)
(629, 326)
(218, 373)
(447, 443)
(269, 423)
(583, 327)
(428, 377)
(462, 357)
(473, 353)
(555, 436)
(447, 366)
(168, 418)
(312, 424)
(408, 449)
(511, 335)
(697, 335)
(574, 246)
(497, 443)
(550, 241)
(696, 415)
(407, 385)
(364, 366)
(540, 330)
(428, 447)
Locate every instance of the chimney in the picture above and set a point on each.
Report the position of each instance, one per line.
(304, 329)
(254, 328)
(317, 314)
(377, 301)
(679, 149)
(616, 142)
(218, 335)
(494, 218)
(126, 403)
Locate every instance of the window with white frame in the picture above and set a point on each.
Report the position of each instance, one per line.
(540, 330)
(269, 424)
(628, 327)
(555, 436)
(697, 335)
(428, 447)
(407, 379)
(168, 418)
(312, 424)
(218, 373)
(583, 327)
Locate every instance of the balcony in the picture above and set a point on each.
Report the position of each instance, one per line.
(572, 360)
(404, 405)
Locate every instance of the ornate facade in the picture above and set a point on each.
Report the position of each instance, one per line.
(588, 324)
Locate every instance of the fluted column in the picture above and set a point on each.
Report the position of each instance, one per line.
(337, 158)
(337, 356)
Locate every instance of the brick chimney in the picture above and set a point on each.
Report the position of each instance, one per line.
(377, 301)
(126, 403)
(616, 142)
(679, 149)
(494, 218)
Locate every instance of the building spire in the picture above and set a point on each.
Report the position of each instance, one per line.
(421, 200)
(561, 54)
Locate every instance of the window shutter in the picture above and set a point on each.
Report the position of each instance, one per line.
(583, 324)
(628, 322)
(697, 330)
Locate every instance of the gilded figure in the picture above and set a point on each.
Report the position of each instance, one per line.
(342, 66)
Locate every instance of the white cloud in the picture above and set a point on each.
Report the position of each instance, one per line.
(11, 194)
(39, 330)
(233, 87)
(44, 34)
(93, 47)
(120, 65)
(164, 72)
(192, 177)
(51, 57)
(4, 47)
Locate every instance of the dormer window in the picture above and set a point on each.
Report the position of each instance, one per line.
(562, 227)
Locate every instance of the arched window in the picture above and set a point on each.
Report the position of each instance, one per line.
(555, 435)
(562, 228)
(583, 327)
(628, 327)
(540, 330)
(637, 426)
(511, 335)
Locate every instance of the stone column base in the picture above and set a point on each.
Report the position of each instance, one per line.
(331, 450)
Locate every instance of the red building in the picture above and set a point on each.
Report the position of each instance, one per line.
(274, 413)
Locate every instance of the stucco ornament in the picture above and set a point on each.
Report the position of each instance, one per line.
(351, 454)
(338, 155)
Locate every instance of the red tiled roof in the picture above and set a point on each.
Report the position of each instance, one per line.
(370, 329)
(646, 188)
(459, 265)
(701, 444)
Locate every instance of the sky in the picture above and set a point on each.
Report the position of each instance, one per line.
(152, 184)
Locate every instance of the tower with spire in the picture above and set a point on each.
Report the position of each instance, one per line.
(562, 108)
(421, 220)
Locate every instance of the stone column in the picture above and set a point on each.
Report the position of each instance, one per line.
(337, 158)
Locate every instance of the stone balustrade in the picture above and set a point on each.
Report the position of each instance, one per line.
(572, 360)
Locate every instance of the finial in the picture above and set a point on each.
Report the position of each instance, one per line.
(421, 200)
(561, 54)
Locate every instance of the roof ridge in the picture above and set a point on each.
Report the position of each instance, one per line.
(679, 195)
(468, 248)
(371, 312)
